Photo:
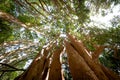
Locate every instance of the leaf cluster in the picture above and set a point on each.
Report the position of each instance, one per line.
(5, 31)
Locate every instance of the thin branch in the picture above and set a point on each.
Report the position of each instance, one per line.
(12, 52)
(15, 42)
(14, 69)
(23, 6)
(41, 4)
(2, 74)
(42, 8)
(18, 2)
(46, 6)
(35, 8)
(35, 3)
(8, 65)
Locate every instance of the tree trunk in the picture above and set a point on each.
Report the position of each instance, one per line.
(45, 70)
(82, 65)
(36, 68)
(83, 52)
(55, 67)
(110, 74)
(78, 67)
(97, 52)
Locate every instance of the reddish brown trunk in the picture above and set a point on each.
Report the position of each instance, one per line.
(45, 71)
(82, 66)
(110, 74)
(55, 67)
(36, 68)
(78, 67)
(82, 52)
(97, 52)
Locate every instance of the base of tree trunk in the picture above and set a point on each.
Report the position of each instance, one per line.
(82, 65)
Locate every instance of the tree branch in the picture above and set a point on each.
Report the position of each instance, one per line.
(35, 8)
(10, 18)
(14, 69)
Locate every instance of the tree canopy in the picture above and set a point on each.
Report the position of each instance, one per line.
(27, 25)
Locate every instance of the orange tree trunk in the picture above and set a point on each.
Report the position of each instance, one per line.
(82, 66)
(83, 52)
(111, 75)
(78, 67)
(45, 70)
(35, 70)
(97, 52)
(55, 67)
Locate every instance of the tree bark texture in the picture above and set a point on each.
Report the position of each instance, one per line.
(82, 64)
(55, 66)
(78, 67)
(78, 46)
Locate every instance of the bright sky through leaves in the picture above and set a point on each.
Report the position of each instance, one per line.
(105, 19)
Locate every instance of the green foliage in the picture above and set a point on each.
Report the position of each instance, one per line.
(10, 76)
(5, 31)
(7, 6)
(108, 60)
(46, 20)
(103, 4)
(103, 36)
(81, 11)
(29, 19)
(25, 18)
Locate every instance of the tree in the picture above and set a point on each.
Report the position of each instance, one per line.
(27, 25)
